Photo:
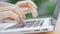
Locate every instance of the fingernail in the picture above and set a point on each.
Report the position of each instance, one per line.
(22, 25)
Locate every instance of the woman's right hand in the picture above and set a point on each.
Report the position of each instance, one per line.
(12, 11)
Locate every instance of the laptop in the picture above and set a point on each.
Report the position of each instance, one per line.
(45, 22)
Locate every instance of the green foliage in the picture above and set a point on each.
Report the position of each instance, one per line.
(38, 2)
(13, 1)
(29, 15)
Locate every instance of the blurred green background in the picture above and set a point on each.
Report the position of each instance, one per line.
(45, 7)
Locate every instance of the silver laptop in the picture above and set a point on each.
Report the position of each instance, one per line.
(45, 22)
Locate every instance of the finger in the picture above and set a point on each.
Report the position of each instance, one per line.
(34, 12)
(14, 16)
(5, 4)
(32, 4)
(21, 3)
(25, 10)
(19, 11)
(7, 15)
(22, 12)
(20, 15)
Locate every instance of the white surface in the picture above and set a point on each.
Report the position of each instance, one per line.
(6, 25)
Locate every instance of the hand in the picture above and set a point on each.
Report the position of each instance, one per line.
(11, 11)
(28, 7)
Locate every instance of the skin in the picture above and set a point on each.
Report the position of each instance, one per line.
(6, 7)
(18, 11)
(8, 14)
(28, 7)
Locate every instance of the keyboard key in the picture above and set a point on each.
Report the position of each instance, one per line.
(36, 23)
(46, 23)
(30, 24)
(41, 23)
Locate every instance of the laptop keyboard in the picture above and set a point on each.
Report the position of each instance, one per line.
(44, 22)
(38, 23)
